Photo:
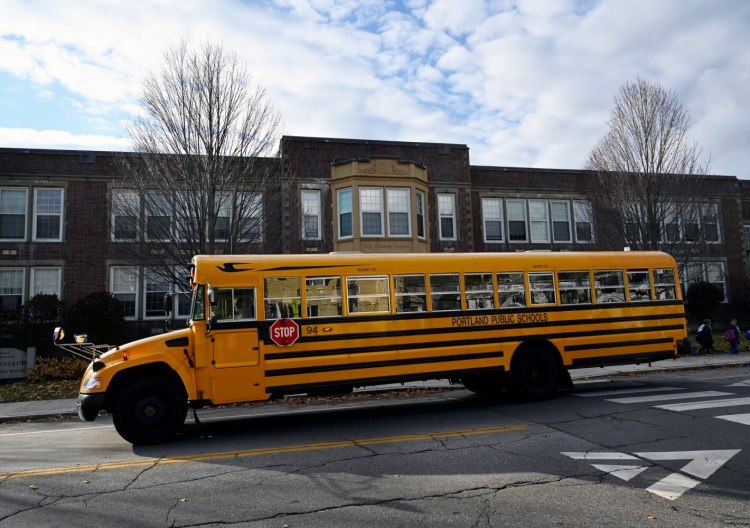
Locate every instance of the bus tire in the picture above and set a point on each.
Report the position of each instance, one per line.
(150, 411)
(535, 374)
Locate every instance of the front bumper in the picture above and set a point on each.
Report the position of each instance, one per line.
(89, 405)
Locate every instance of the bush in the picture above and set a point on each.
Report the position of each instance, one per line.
(53, 369)
(100, 316)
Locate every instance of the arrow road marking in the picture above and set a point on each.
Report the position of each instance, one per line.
(702, 464)
(743, 419)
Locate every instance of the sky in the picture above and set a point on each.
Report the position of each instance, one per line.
(523, 83)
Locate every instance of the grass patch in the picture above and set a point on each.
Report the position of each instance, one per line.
(44, 390)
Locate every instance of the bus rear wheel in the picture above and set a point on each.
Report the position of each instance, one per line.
(150, 411)
(535, 374)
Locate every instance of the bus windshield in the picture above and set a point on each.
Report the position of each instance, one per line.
(198, 306)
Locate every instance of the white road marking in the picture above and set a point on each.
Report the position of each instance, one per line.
(708, 404)
(627, 391)
(662, 397)
(743, 419)
(622, 472)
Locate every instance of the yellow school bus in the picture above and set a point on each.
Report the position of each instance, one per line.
(265, 326)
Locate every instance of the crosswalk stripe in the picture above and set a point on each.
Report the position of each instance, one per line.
(709, 404)
(663, 397)
(627, 391)
(743, 419)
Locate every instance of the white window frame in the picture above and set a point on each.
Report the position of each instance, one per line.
(223, 211)
(25, 213)
(118, 196)
(57, 280)
(447, 211)
(510, 215)
(539, 221)
(421, 210)
(565, 204)
(132, 287)
(372, 204)
(162, 205)
(709, 210)
(7, 289)
(256, 217)
(582, 214)
(311, 209)
(151, 277)
(400, 205)
(349, 211)
(492, 212)
(56, 214)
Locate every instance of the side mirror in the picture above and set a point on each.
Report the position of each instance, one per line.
(58, 335)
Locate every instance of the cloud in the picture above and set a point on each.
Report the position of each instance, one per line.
(59, 139)
(521, 82)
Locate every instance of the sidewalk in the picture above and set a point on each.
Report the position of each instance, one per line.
(67, 407)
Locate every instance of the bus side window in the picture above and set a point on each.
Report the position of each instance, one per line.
(575, 287)
(368, 294)
(664, 284)
(323, 295)
(234, 304)
(511, 290)
(610, 286)
(281, 297)
(639, 285)
(479, 291)
(410, 293)
(445, 291)
(542, 288)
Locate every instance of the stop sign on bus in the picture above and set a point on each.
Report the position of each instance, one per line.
(284, 332)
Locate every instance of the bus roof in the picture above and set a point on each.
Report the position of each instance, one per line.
(234, 269)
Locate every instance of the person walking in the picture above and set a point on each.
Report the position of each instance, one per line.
(705, 337)
(732, 335)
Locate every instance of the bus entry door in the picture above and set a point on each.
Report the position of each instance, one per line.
(236, 362)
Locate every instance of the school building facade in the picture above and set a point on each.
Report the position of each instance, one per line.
(57, 226)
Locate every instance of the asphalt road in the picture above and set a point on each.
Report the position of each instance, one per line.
(667, 449)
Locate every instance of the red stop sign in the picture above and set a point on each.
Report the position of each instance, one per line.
(284, 332)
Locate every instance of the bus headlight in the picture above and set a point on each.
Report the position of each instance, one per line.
(92, 383)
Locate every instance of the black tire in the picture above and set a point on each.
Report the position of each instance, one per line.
(489, 385)
(150, 411)
(535, 374)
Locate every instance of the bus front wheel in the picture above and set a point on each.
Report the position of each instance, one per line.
(535, 374)
(150, 411)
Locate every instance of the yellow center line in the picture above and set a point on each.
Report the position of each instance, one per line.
(259, 452)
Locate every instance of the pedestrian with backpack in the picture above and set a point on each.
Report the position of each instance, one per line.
(732, 335)
(705, 337)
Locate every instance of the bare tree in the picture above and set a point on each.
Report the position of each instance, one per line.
(649, 186)
(204, 172)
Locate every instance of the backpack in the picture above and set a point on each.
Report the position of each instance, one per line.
(730, 334)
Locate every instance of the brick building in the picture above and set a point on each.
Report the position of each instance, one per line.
(57, 236)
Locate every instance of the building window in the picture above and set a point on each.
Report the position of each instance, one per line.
(155, 288)
(223, 226)
(447, 215)
(516, 210)
(123, 283)
(710, 221)
(11, 289)
(561, 222)
(13, 214)
(371, 211)
(45, 281)
(492, 216)
(125, 210)
(399, 212)
(632, 218)
(251, 218)
(345, 213)
(583, 221)
(158, 216)
(48, 210)
(420, 214)
(539, 220)
(310, 215)
(711, 272)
